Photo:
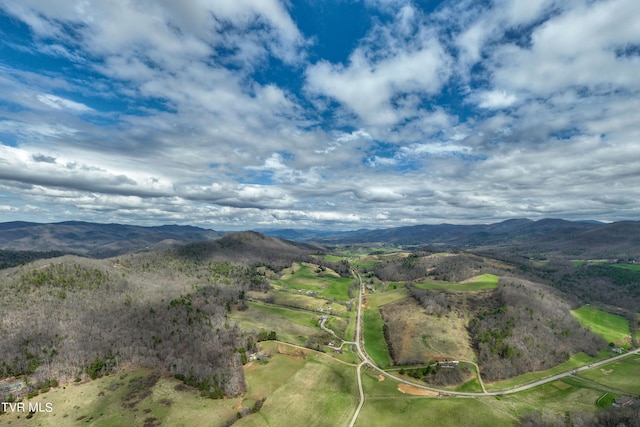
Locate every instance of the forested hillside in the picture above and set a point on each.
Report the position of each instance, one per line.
(516, 328)
(71, 317)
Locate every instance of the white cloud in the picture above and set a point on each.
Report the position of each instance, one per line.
(473, 113)
(384, 72)
(59, 103)
(496, 99)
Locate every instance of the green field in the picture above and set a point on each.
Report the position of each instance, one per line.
(332, 258)
(554, 398)
(484, 281)
(613, 328)
(308, 277)
(374, 341)
(290, 298)
(133, 398)
(304, 388)
(293, 326)
(576, 361)
(634, 267)
(381, 298)
(418, 411)
(621, 375)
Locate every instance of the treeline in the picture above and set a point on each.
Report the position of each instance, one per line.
(453, 268)
(442, 303)
(439, 375)
(603, 283)
(9, 258)
(527, 327)
(519, 327)
(247, 248)
(77, 318)
(610, 417)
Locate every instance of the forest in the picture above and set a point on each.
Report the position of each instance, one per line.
(70, 318)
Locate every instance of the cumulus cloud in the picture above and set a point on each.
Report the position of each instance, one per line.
(225, 114)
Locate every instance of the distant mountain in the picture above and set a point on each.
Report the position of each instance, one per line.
(521, 235)
(249, 248)
(97, 240)
(517, 235)
(510, 231)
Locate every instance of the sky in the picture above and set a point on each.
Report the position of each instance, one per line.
(325, 114)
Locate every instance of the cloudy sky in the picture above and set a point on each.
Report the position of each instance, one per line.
(237, 114)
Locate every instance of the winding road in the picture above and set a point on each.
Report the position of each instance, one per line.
(366, 360)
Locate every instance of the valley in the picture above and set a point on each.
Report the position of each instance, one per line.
(249, 329)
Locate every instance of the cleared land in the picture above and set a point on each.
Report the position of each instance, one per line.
(310, 277)
(303, 388)
(484, 281)
(417, 337)
(576, 361)
(621, 375)
(613, 328)
(127, 398)
(295, 299)
(374, 341)
(373, 325)
(413, 410)
(293, 326)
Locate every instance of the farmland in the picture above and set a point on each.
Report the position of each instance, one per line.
(613, 328)
(621, 375)
(128, 397)
(294, 326)
(314, 279)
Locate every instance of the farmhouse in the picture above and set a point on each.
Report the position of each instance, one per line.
(623, 401)
(449, 365)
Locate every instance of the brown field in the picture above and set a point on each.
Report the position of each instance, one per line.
(415, 391)
(417, 337)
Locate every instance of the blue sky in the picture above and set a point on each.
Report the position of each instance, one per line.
(319, 113)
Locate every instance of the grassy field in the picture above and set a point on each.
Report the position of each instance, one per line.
(621, 375)
(309, 277)
(293, 326)
(634, 267)
(127, 398)
(555, 398)
(424, 336)
(484, 281)
(576, 361)
(381, 298)
(613, 328)
(332, 258)
(374, 341)
(289, 298)
(386, 406)
(302, 388)
(416, 411)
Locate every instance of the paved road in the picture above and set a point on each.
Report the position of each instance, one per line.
(366, 360)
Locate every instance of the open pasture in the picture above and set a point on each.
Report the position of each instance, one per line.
(294, 326)
(483, 281)
(310, 277)
(127, 398)
(374, 341)
(414, 410)
(612, 327)
(576, 361)
(621, 375)
(302, 388)
(417, 337)
(295, 299)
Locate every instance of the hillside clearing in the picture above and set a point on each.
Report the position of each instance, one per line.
(612, 327)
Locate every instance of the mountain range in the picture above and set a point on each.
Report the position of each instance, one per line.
(549, 235)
